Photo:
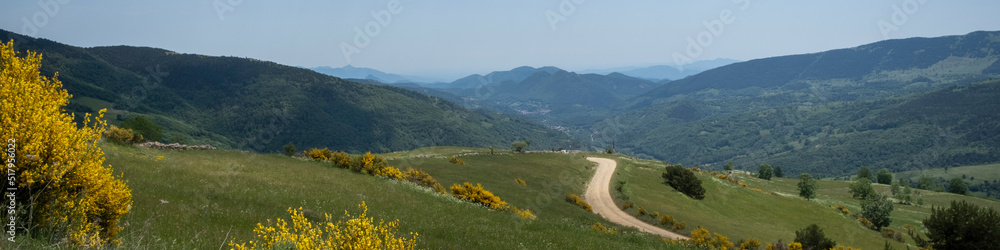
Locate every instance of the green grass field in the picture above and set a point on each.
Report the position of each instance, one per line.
(741, 212)
(203, 199)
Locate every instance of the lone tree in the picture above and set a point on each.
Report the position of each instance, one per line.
(765, 171)
(884, 176)
(877, 209)
(807, 187)
(866, 173)
(289, 149)
(684, 181)
(862, 189)
(963, 226)
(729, 166)
(519, 146)
(812, 237)
(957, 186)
(142, 125)
(778, 172)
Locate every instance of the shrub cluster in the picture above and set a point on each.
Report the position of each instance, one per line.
(455, 160)
(702, 238)
(122, 135)
(573, 198)
(601, 228)
(627, 205)
(354, 232)
(319, 154)
(476, 194)
(524, 213)
(520, 181)
(843, 209)
(423, 179)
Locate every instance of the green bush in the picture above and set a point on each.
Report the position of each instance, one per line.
(963, 226)
(812, 237)
(684, 181)
(765, 171)
(145, 127)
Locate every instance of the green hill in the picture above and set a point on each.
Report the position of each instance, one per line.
(204, 199)
(899, 104)
(776, 211)
(251, 104)
(956, 125)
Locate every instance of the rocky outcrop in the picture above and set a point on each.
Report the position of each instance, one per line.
(175, 146)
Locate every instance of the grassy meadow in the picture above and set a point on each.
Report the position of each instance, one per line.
(774, 213)
(204, 199)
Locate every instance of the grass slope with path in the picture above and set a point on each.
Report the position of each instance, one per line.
(777, 212)
(204, 199)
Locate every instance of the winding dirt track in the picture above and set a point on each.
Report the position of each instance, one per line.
(599, 196)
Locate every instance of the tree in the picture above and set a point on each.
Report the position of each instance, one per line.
(519, 146)
(765, 171)
(926, 183)
(729, 166)
(144, 127)
(63, 186)
(865, 172)
(684, 181)
(957, 186)
(807, 186)
(812, 237)
(883, 176)
(289, 149)
(778, 172)
(963, 226)
(862, 189)
(877, 209)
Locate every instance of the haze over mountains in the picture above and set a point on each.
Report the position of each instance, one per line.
(823, 113)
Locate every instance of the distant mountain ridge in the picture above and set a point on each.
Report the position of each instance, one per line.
(825, 112)
(361, 73)
(241, 103)
(662, 72)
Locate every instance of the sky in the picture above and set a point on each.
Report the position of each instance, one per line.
(450, 39)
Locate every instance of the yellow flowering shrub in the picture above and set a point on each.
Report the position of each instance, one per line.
(597, 226)
(794, 246)
(391, 172)
(455, 160)
(476, 193)
(122, 135)
(58, 167)
(524, 213)
(520, 181)
(839, 247)
(680, 225)
(319, 154)
(749, 243)
(356, 232)
(423, 179)
(575, 199)
(341, 160)
(666, 219)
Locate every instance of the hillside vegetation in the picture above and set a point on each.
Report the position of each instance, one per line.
(251, 104)
(204, 199)
(775, 211)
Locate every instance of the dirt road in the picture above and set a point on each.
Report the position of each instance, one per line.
(599, 196)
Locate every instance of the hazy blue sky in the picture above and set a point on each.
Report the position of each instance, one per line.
(462, 37)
